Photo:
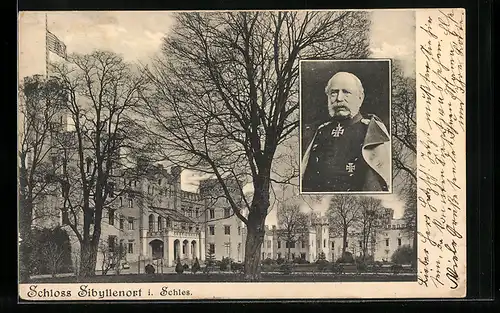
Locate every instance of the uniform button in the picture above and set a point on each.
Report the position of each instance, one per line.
(355, 159)
(317, 172)
(348, 189)
(317, 159)
(350, 175)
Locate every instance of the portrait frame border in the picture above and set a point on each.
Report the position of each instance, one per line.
(391, 187)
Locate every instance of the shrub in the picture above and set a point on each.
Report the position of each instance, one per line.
(149, 269)
(396, 268)
(322, 264)
(237, 267)
(50, 251)
(196, 266)
(368, 259)
(300, 261)
(346, 258)
(403, 255)
(224, 264)
(321, 256)
(337, 268)
(179, 268)
(267, 261)
(280, 261)
(286, 268)
(361, 267)
(185, 266)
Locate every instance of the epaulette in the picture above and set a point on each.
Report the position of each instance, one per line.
(374, 117)
(324, 124)
(365, 121)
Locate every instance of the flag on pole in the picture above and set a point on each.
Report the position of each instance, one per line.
(55, 45)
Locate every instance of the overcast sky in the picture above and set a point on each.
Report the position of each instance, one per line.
(137, 36)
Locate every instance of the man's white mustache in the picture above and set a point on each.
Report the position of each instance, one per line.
(339, 106)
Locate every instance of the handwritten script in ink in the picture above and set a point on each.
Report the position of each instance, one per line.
(441, 148)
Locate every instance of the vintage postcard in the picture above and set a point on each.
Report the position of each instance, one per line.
(188, 155)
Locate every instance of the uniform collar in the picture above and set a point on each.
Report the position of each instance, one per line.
(348, 121)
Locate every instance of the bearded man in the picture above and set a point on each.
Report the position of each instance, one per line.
(350, 152)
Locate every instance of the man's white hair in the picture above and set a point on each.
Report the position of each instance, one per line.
(356, 79)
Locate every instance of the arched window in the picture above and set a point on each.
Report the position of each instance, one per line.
(151, 223)
(168, 223)
(160, 223)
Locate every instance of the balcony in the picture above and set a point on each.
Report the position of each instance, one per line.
(156, 233)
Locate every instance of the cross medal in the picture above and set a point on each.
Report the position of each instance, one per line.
(350, 167)
(336, 132)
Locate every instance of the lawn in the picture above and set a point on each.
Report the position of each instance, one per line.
(229, 277)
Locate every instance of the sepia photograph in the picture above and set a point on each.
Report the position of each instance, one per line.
(159, 151)
(346, 105)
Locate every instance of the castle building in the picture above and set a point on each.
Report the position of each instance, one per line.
(386, 238)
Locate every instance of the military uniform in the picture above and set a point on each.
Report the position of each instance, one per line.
(335, 160)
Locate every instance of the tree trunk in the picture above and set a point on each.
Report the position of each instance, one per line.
(256, 225)
(344, 242)
(25, 247)
(252, 253)
(88, 259)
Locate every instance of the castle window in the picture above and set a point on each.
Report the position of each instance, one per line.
(111, 243)
(279, 244)
(130, 247)
(130, 223)
(111, 217)
(387, 242)
(324, 243)
(227, 230)
(151, 223)
(211, 248)
(111, 189)
(212, 213)
(130, 202)
(211, 230)
(399, 242)
(227, 212)
(303, 244)
(160, 223)
(64, 216)
(122, 223)
(239, 230)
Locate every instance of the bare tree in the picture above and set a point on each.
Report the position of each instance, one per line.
(39, 110)
(404, 146)
(111, 256)
(369, 222)
(404, 124)
(225, 96)
(292, 223)
(343, 213)
(54, 256)
(101, 91)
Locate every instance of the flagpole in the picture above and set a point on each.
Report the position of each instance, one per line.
(46, 48)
